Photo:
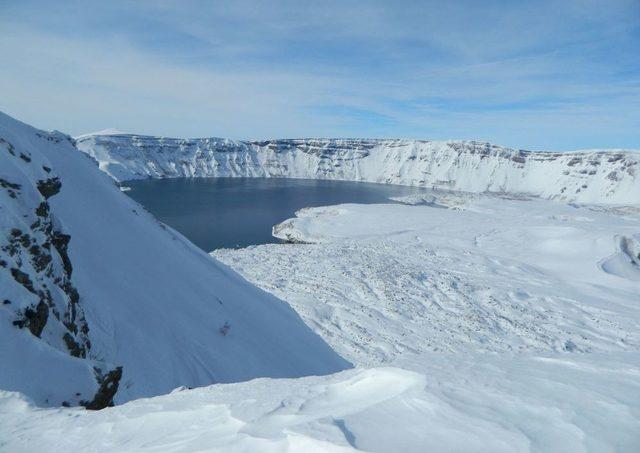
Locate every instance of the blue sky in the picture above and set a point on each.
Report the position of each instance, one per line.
(539, 74)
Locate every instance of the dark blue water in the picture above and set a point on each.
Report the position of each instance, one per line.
(237, 212)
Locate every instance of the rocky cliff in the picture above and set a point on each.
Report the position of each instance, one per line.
(608, 177)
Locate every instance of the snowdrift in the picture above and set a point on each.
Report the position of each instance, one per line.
(97, 297)
(605, 177)
(470, 403)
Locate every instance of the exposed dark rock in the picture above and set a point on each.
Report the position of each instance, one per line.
(108, 388)
(49, 187)
(9, 146)
(39, 258)
(43, 209)
(25, 240)
(29, 253)
(74, 298)
(34, 320)
(9, 185)
(61, 242)
(72, 345)
(23, 279)
(17, 241)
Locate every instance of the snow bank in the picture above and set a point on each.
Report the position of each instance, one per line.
(90, 282)
(607, 177)
(471, 403)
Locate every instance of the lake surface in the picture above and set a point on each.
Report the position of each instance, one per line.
(237, 212)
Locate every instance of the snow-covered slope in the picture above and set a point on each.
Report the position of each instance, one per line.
(97, 296)
(609, 177)
(426, 291)
(441, 403)
(488, 323)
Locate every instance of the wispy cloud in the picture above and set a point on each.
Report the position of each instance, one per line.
(543, 74)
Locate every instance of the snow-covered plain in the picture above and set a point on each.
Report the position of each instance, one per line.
(499, 275)
(476, 322)
(521, 315)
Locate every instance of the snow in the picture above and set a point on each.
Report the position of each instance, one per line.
(108, 131)
(439, 402)
(521, 314)
(624, 262)
(499, 275)
(594, 176)
(154, 303)
(475, 322)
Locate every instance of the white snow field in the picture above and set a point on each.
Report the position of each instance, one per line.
(495, 275)
(457, 402)
(476, 323)
(522, 316)
(89, 279)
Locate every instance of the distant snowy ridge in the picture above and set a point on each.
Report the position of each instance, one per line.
(604, 177)
(108, 131)
(101, 303)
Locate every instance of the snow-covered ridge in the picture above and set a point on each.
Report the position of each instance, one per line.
(470, 403)
(607, 177)
(98, 297)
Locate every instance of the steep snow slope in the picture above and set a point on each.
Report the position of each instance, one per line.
(611, 177)
(442, 403)
(90, 282)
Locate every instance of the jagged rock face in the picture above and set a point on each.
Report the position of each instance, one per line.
(608, 177)
(30, 248)
(37, 287)
(109, 383)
